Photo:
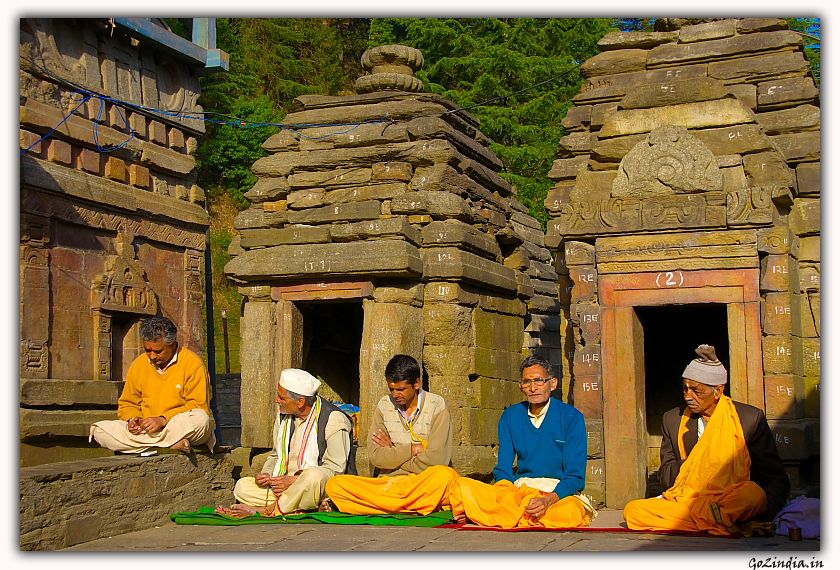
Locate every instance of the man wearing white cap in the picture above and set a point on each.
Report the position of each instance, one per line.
(719, 462)
(311, 444)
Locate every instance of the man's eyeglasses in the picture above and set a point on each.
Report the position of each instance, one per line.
(536, 381)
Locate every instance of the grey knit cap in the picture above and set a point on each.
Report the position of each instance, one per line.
(706, 369)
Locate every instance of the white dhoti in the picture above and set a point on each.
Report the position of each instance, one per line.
(194, 425)
(305, 494)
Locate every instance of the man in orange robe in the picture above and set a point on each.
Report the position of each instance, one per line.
(719, 462)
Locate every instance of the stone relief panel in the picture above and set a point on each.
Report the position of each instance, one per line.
(670, 161)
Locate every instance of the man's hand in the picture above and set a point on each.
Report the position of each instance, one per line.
(538, 507)
(280, 484)
(134, 425)
(382, 439)
(153, 425)
(417, 448)
(263, 480)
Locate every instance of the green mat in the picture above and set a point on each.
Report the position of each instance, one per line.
(207, 516)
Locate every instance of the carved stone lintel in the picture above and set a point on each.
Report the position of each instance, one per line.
(619, 215)
(747, 206)
(579, 253)
(777, 240)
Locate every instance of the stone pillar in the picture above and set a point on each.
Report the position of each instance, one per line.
(259, 381)
(34, 297)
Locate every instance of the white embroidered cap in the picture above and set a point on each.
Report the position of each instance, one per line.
(299, 381)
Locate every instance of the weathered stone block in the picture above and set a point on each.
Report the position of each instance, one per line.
(268, 189)
(676, 92)
(808, 179)
(600, 113)
(82, 529)
(807, 249)
(595, 438)
(586, 283)
(388, 228)
(768, 169)
(577, 118)
(740, 139)
(407, 293)
(704, 114)
(544, 304)
(448, 360)
(778, 354)
(784, 397)
(440, 205)
(809, 278)
(786, 92)
(734, 178)
(320, 138)
(745, 93)
(806, 356)
(774, 240)
(496, 331)
(474, 461)
(461, 235)
(443, 177)
(588, 319)
(593, 186)
(170, 161)
(89, 160)
(752, 25)
(587, 395)
(379, 257)
(794, 439)
(577, 143)
(454, 264)
(115, 169)
(446, 292)
(285, 140)
(799, 147)
(139, 176)
(76, 423)
(777, 314)
(330, 179)
(795, 120)
(253, 238)
(479, 426)
(642, 40)
(397, 171)
(362, 193)
(587, 360)
(707, 31)
(43, 392)
(614, 87)
(671, 54)
(805, 315)
(612, 62)
(761, 67)
(447, 325)
(500, 364)
(805, 217)
(502, 305)
(566, 168)
(778, 273)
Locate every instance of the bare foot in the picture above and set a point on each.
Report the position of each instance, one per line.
(327, 506)
(182, 445)
(460, 518)
(239, 510)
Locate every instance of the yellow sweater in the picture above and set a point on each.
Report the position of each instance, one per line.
(184, 386)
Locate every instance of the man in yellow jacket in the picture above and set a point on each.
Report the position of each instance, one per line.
(165, 399)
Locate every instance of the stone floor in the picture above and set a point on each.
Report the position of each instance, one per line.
(332, 538)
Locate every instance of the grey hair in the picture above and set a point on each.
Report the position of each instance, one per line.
(534, 360)
(155, 328)
(310, 400)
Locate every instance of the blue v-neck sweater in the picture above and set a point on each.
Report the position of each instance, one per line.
(557, 449)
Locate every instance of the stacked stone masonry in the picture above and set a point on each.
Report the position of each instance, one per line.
(112, 223)
(699, 142)
(406, 213)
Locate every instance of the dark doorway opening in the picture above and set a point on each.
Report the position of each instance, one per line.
(671, 333)
(332, 341)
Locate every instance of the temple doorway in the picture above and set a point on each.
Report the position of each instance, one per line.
(332, 339)
(671, 333)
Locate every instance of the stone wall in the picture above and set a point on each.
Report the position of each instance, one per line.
(391, 198)
(692, 161)
(62, 504)
(107, 236)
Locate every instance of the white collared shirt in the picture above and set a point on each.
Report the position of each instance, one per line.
(537, 419)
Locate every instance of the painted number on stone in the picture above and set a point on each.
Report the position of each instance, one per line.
(586, 277)
(780, 269)
(782, 438)
(734, 135)
(590, 386)
(782, 351)
(590, 318)
(670, 279)
(589, 358)
(784, 391)
(445, 257)
(596, 470)
(443, 290)
(667, 88)
(323, 265)
(782, 310)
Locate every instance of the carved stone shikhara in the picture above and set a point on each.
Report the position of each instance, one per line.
(709, 127)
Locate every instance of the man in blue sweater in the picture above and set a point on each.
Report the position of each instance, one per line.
(547, 439)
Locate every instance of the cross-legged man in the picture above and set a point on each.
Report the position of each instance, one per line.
(410, 449)
(311, 444)
(720, 465)
(165, 399)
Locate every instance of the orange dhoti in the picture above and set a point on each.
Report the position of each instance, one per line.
(736, 505)
(503, 505)
(420, 493)
(713, 492)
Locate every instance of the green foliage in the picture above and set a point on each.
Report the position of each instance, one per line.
(810, 30)
(476, 59)
(225, 298)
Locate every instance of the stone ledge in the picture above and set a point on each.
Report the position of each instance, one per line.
(62, 504)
